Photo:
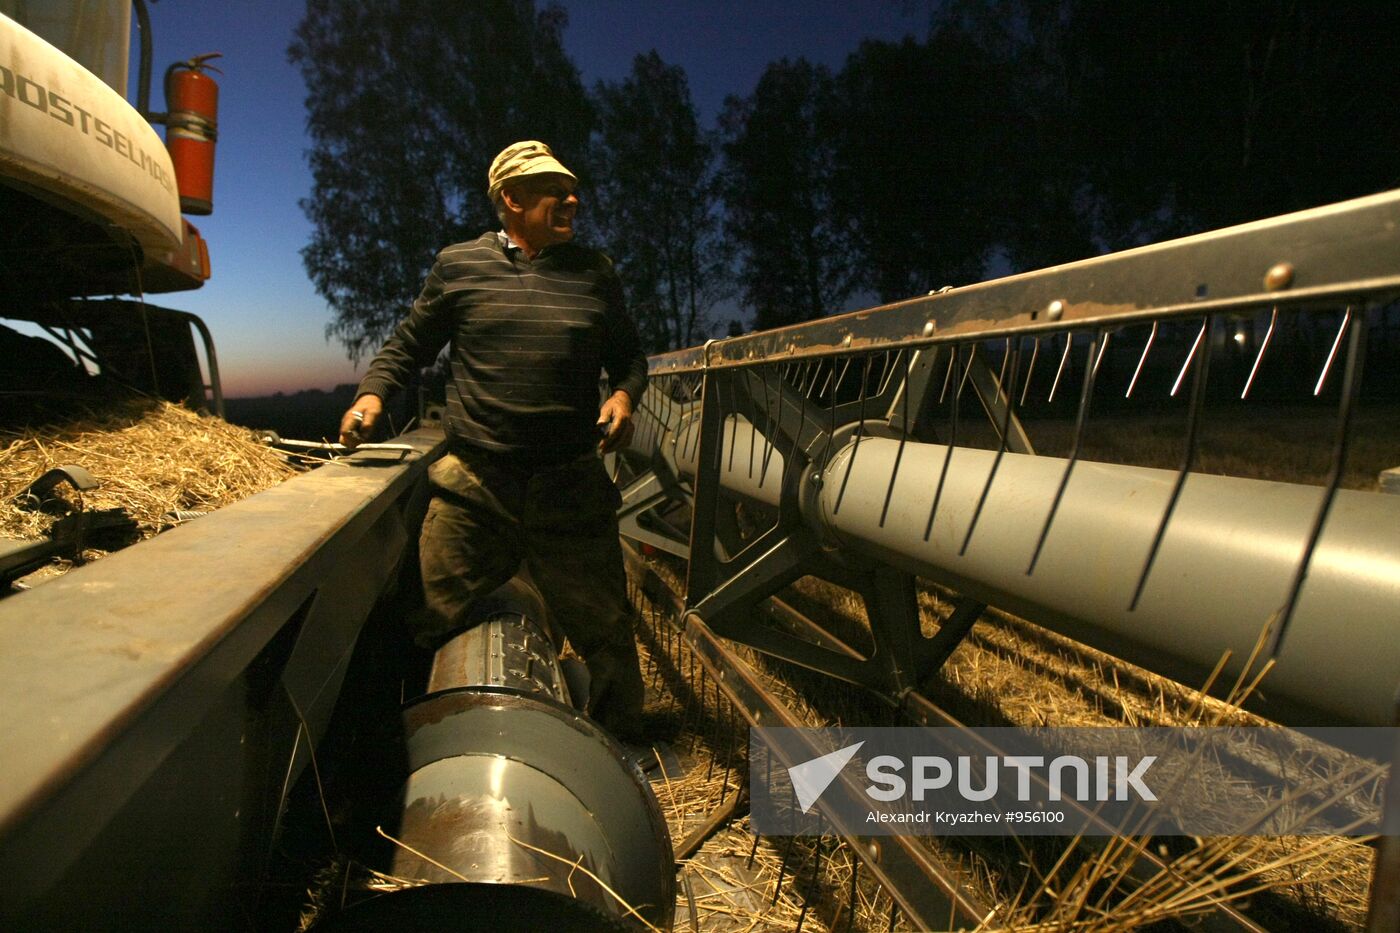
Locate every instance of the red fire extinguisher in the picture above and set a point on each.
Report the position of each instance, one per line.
(191, 128)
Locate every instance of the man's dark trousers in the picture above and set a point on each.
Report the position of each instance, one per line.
(489, 512)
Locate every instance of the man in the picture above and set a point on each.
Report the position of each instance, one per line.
(531, 318)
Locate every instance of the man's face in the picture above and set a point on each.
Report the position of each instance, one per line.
(548, 205)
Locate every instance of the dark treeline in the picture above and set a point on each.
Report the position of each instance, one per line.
(1012, 135)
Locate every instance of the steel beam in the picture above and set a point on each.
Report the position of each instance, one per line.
(1338, 252)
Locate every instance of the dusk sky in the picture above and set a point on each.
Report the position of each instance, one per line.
(267, 320)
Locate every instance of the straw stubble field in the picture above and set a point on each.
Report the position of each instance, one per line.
(1008, 673)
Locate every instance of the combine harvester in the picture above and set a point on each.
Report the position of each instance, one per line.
(93, 198)
(163, 705)
(180, 711)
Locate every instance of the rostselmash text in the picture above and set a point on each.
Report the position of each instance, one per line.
(30, 92)
(1101, 778)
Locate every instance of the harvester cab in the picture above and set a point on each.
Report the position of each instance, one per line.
(93, 202)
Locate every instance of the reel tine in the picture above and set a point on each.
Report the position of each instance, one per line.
(1198, 398)
(860, 429)
(948, 450)
(1332, 354)
(1064, 358)
(1351, 390)
(1143, 359)
(1081, 421)
(1030, 370)
(903, 437)
(1001, 448)
(1103, 347)
(1259, 357)
(1189, 357)
(947, 376)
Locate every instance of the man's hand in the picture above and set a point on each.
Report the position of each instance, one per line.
(358, 423)
(616, 418)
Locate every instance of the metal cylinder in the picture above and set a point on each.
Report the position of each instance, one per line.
(191, 130)
(508, 646)
(1224, 567)
(514, 798)
(749, 465)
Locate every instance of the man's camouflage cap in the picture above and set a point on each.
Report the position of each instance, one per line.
(517, 160)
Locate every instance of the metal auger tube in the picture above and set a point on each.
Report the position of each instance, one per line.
(749, 466)
(517, 807)
(1224, 568)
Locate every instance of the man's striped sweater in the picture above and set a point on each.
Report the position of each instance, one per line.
(528, 342)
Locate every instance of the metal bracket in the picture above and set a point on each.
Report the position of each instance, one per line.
(994, 399)
(730, 577)
(35, 493)
(640, 499)
(952, 632)
(901, 652)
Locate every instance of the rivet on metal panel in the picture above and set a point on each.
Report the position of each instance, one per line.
(816, 479)
(1279, 277)
(928, 328)
(1056, 310)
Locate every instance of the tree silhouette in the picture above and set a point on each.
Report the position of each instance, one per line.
(1200, 115)
(1016, 134)
(1040, 193)
(779, 153)
(407, 103)
(656, 202)
(925, 151)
